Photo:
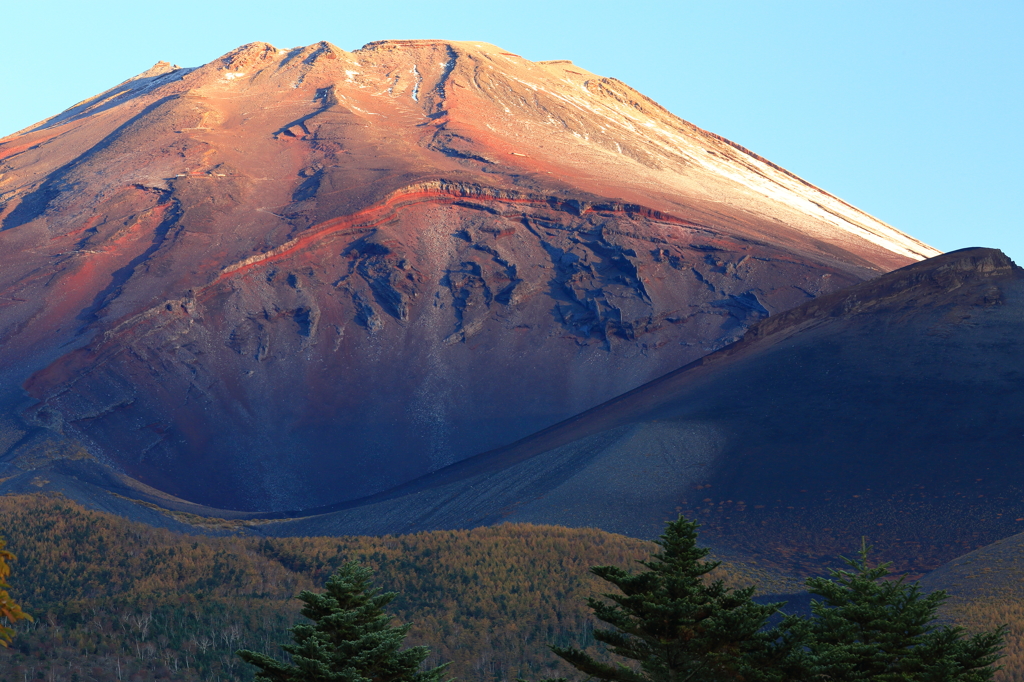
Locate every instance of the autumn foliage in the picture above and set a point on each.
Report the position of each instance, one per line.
(117, 600)
(110, 594)
(10, 611)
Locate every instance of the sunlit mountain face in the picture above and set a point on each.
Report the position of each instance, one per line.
(291, 278)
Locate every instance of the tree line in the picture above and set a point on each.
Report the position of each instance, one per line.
(671, 624)
(118, 600)
(486, 599)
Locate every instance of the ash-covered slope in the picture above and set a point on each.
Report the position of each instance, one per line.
(890, 410)
(992, 573)
(291, 277)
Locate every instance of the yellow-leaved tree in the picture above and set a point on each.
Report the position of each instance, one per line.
(10, 612)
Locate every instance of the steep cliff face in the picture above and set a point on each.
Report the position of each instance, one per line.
(291, 277)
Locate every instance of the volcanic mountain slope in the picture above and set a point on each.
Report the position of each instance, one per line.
(890, 410)
(292, 277)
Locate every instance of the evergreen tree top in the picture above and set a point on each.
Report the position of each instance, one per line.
(349, 639)
(866, 627)
(673, 624)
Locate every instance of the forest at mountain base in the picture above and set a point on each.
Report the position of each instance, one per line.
(117, 600)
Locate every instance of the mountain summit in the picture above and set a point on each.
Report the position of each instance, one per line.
(292, 277)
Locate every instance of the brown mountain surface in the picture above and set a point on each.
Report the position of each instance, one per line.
(292, 277)
(890, 410)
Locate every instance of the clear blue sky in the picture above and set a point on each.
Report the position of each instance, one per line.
(911, 111)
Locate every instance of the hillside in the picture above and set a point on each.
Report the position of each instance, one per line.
(373, 264)
(986, 589)
(107, 592)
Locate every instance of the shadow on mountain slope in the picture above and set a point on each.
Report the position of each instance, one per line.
(891, 409)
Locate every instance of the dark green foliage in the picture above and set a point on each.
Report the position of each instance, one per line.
(869, 628)
(350, 638)
(673, 624)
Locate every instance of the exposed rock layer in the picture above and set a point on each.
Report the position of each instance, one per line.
(292, 277)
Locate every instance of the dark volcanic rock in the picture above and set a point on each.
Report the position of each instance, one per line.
(890, 410)
(293, 277)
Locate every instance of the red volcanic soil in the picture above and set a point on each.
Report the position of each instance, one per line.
(292, 277)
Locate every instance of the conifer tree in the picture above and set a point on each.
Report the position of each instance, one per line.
(350, 638)
(869, 628)
(672, 624)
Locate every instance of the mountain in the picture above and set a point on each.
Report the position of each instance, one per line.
(289, 278)
(890, 410)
